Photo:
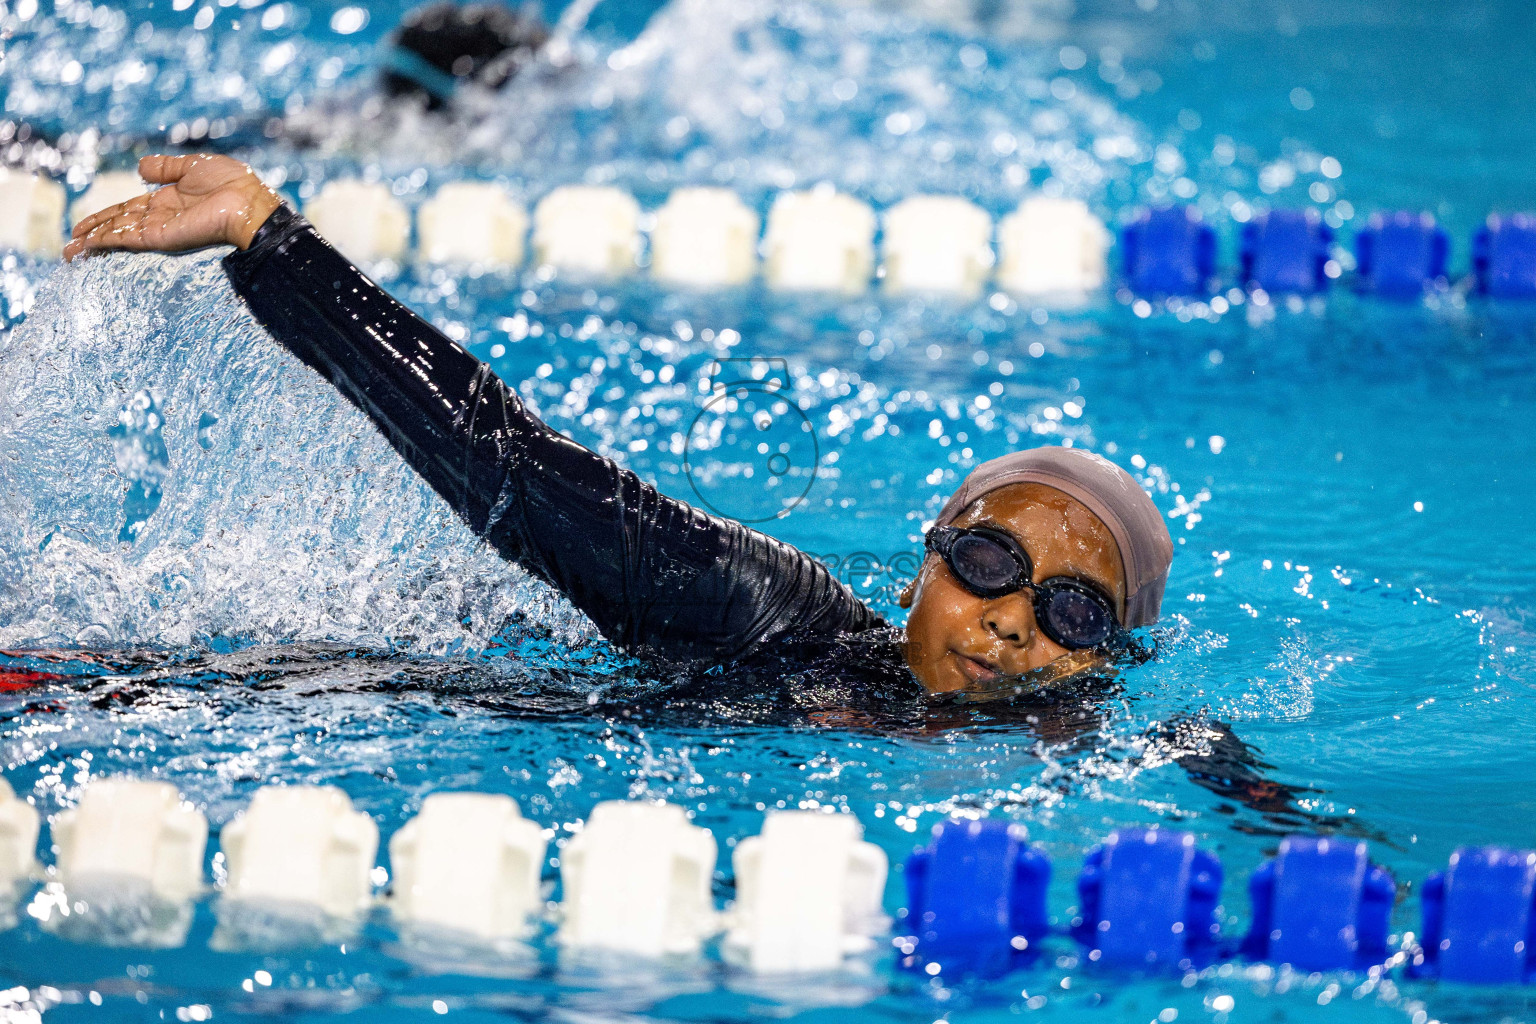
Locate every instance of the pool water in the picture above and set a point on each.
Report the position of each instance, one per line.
(240, 584)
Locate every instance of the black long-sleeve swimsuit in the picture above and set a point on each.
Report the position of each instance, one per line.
(658, 577)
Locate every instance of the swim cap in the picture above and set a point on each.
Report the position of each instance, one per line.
(1109, 492)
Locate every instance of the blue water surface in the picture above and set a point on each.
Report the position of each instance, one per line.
(241, 586)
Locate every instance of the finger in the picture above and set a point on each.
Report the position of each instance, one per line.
(89, 224)
(124, 231)
(159, 169)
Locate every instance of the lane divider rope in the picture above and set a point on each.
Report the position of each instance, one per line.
(820, 240)
(637, 881)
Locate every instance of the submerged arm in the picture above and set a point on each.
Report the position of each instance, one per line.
(1072, 719)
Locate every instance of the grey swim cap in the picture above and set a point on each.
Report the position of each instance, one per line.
(1109, 492)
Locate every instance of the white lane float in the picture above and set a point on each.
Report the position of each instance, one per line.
(808, 893)
(1052, 245)
(820, 240)
(303, 845)
(937, 245)
(19, 823)
(704, 238)
(637, 881)
(587, 230)
(108, 188)
(362, 219)
(132, 831)
(468, 862)
(31, 213)
(474, 222)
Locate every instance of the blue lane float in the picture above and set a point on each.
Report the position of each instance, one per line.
(1479, 925)
(975, 899)
(1320, 905)
(1286, 252)
(1504, 257)
(1168, 251)
(1149, 900)
(1401, 255)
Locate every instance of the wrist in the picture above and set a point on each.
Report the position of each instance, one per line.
(262, 205)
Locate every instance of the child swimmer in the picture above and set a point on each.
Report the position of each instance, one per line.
(1040, 561)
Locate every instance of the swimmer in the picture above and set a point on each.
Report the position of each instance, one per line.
(444, 60)
(439, 70)
(1037, 566)
(443, 48)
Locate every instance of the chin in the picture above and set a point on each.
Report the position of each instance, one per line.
(940, 678)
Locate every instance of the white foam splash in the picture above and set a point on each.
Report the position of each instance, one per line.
(170, 475)
(761, 95)
(769, 94)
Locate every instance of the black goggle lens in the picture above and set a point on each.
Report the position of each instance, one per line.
(985, 565)
(1078, 619)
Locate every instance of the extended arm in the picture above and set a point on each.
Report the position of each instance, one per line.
(653, 573)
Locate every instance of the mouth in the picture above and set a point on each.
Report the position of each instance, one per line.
(998, 686)
(980, 671)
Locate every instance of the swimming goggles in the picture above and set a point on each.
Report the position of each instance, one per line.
(990, 563)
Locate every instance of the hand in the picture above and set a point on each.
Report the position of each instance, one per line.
(207, 200)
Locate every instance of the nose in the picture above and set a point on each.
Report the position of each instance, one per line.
(1011, 618)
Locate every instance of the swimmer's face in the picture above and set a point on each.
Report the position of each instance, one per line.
(958, 641)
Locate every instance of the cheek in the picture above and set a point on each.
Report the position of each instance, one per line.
(946, 605)
(940, 611)
(930, 604)
(1048, 649)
